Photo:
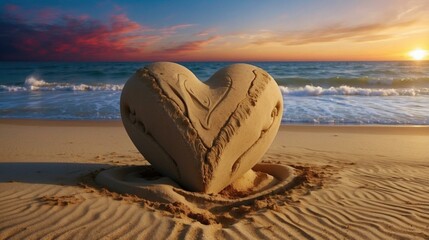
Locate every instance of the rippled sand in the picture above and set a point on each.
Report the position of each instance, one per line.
(351, 182)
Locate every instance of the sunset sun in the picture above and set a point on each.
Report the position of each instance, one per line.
(418, 54)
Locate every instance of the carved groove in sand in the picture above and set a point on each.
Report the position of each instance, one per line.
(205, 103)
(198, 113)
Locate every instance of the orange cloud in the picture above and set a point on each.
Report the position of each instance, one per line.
(184, 51)
(360, 33)
(190, 46)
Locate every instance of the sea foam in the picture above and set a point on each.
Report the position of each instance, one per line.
(310, 90)
(362, 82)
(33, 83)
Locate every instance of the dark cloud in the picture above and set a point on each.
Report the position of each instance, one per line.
(51, 35)
(69, 38)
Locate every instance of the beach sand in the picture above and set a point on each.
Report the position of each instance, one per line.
(353, 182)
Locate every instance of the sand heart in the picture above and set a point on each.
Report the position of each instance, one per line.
(203, 135)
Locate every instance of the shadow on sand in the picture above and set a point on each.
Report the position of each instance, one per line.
(47, 172)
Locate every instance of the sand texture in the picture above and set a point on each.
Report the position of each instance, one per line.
(348, 182)
(204, 135)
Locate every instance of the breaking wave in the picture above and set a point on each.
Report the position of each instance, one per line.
(363, 82)
(32, 83)
(309, 90)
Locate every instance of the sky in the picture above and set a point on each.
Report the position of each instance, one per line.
(221, 30)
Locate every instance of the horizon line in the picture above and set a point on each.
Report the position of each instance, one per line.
(209, 61)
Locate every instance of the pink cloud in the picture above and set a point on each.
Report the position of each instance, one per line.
(206, 32)
(73, 38)
(173, 29)
(122, 24)
(189, 46)
(53, 35)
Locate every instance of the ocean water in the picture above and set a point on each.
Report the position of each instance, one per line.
(314, 92)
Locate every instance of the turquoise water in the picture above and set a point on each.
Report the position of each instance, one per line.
(313, 92)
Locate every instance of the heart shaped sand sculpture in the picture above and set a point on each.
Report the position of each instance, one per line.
(203, 135)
